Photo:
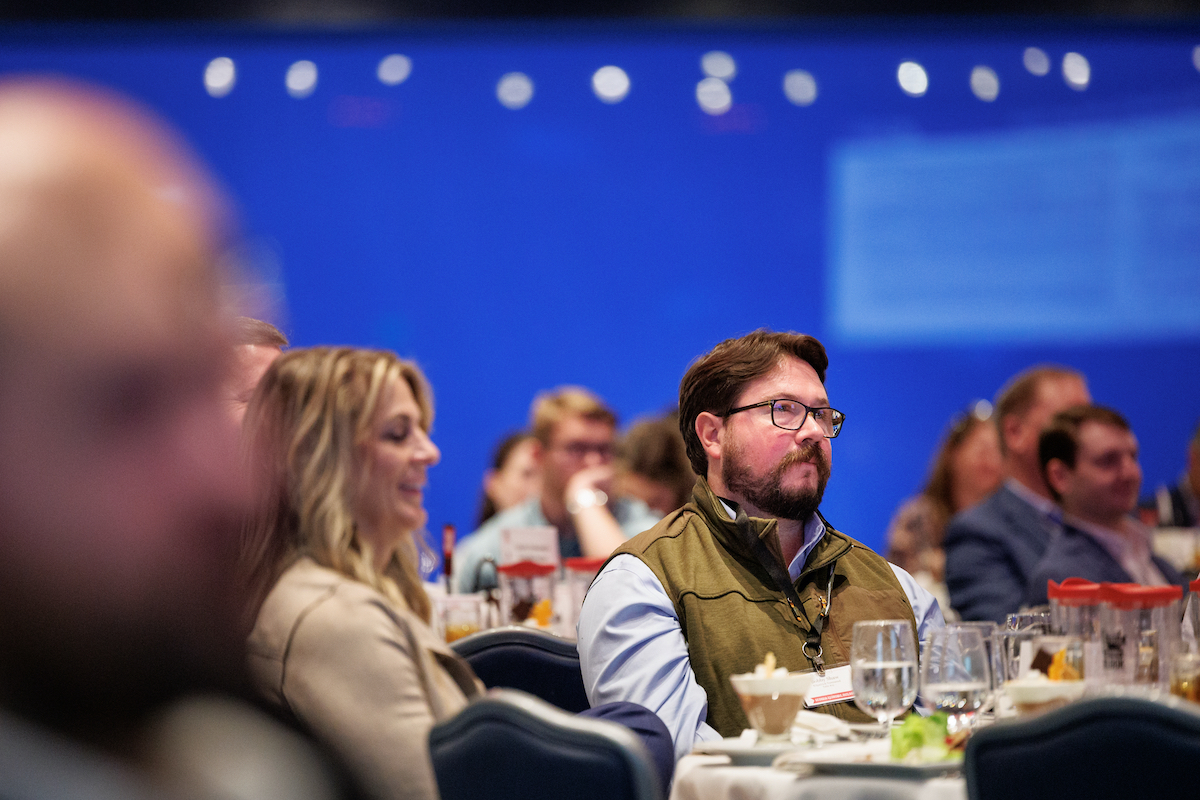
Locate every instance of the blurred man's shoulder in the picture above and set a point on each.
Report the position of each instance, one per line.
(521, 515)
(634, 516)
(985, 519)
(36, 763)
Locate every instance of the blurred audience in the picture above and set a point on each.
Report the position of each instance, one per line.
(120, 490)
(652, 464)
(966, 469)
(342, 637)
(1178, 506)
(576, 442)
(993, 548)
(514, 477)
(1089, 458)
(256, 345)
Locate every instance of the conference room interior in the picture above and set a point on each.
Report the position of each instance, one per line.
(523, 196)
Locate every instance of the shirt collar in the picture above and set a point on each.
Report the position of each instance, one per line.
(1048, 507)
(729, 512)
(814, 530)
(1130, 547)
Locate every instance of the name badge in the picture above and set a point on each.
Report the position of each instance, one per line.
(834, 686)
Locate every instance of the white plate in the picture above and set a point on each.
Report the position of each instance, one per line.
(1033, 691)
(742, 754)
(869, 759)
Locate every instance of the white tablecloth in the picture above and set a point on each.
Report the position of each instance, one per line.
(702, 777)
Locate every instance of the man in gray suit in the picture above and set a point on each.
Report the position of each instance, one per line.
(993, 548)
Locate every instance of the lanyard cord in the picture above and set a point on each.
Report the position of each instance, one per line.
(812, 644)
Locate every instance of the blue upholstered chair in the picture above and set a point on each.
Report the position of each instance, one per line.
(508, 745)
(1106, 747)
(533, 661)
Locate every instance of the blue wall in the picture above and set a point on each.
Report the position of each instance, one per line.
(937, 244)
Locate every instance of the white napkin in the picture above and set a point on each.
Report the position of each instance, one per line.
(808, 727)
(825, 725)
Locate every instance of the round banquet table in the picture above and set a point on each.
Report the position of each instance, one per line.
(712, 777)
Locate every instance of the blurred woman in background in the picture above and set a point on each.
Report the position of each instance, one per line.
(966, 469)
(514, 477)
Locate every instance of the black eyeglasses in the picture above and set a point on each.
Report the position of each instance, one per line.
(791, 414)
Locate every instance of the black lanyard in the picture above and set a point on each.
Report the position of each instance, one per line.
(812, 644)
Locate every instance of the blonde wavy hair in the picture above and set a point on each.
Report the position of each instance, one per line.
(305, 431)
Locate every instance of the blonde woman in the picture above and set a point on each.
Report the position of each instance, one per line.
(342, 638)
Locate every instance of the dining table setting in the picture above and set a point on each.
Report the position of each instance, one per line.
(967, 676)
(792, 752)
(819, 760)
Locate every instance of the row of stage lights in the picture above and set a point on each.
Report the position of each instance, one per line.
(713, 94)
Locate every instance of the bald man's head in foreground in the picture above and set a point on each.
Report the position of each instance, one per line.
(256, 346)
(120, 492)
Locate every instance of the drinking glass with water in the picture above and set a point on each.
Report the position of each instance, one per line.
(956, 674)
(883, 668)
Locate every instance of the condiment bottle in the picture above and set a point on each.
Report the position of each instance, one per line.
(579, 573)
(527, 593)
(1075, 611)
(1144, 625)
(1112, 632)
(1191, 616)
(1074, 608)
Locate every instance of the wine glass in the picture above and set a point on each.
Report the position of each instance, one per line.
(956, 674)
(989, 633)
(883, 668)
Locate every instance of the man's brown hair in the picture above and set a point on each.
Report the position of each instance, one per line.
(1020, 393)
(253, 331)
(1061, 438)
(715, 379)
(550, 408)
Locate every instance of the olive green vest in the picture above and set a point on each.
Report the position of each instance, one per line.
(732, 615)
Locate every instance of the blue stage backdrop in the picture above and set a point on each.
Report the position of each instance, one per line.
(943, 204)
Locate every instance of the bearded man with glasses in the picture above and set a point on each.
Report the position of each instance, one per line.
(749, 566)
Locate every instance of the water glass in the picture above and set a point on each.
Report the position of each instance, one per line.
(462, 615)
(956, 674)
(1016, 639)
(883, 668)
(990, 633)
(1185, 674)
(1036, 621)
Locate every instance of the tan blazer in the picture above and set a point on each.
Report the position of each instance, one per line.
(367, 677)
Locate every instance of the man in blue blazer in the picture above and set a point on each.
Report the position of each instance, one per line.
(993, 549)
(1090, 459)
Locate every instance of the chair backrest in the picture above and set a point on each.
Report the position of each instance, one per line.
(1105, 747)
(510, 745)
(533, 661)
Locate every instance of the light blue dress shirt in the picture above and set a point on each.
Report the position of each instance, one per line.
(631, 514)
(631, 646)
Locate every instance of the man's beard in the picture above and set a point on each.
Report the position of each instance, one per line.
(767, 494)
